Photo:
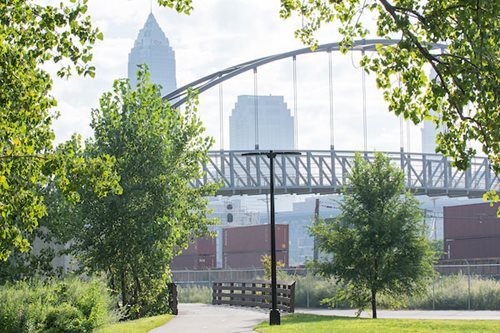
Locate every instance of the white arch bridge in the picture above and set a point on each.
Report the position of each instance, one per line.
(327, 171)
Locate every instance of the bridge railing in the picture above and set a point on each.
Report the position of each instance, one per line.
(327, 171)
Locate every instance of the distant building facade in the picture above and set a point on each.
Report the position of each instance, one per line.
(275, 124)
(153, 48)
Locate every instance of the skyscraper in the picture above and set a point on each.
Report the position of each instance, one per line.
(275, 124)
(152, 48)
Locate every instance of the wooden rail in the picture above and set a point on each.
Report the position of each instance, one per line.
(254, 294)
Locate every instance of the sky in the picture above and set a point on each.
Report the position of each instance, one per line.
(222, 33)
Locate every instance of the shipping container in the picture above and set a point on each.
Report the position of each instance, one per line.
(471, 232)
(254, 238)
(188, 262)
(251, 259)
(201, 246)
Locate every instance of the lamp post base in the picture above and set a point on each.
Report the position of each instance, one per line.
(274, 317)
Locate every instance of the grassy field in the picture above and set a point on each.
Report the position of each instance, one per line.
(142, 325)
(299, 323)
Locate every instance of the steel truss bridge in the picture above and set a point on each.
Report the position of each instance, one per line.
(327, 171)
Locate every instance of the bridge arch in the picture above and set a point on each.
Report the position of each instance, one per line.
(202, 84)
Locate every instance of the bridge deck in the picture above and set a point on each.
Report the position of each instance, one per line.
(326, 172)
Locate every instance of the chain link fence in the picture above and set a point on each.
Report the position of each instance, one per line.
(472, 286)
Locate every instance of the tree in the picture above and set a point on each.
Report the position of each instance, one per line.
(378, 242)
(465, 93)
(133, 236)
(76, 173)
(32, 35)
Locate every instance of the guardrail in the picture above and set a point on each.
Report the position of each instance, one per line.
(254, 294)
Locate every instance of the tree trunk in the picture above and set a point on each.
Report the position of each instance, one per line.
(374, 304)
(124, 287)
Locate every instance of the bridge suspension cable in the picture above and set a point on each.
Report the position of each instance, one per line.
(363, 87)
(330, 90)
(180, 95)
(295, 109)
(401, 123)
(256, 108)
(408, 134)
(221, 116)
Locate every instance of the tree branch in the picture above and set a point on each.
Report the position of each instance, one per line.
(23, 156)
(432, 61)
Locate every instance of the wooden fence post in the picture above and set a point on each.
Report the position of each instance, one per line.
(172, 298)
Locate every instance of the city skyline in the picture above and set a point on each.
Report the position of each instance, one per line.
(225, 33)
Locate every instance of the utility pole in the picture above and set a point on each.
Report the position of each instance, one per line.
(316, 220)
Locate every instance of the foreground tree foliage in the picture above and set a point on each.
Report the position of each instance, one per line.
(465, 92)
(133, 236)
(378, 242)
(33, 35)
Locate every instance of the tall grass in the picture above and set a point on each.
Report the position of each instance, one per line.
(450, 293)
(195, 294)
(55, 306)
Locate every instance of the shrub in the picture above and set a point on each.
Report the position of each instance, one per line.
(55, 306)
(311, 290)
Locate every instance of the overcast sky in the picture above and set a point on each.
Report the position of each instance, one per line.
(222, 33)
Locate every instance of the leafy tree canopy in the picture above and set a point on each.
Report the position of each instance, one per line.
(378, 242)
(32, 35)
(465, 92)
(134, 236)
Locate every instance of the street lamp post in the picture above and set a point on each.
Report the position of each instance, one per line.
(274, 315)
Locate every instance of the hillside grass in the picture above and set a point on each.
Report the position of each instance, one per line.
(142, 325)
(299, 323)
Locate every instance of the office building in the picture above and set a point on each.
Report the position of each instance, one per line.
(275, 124)
(153, 49)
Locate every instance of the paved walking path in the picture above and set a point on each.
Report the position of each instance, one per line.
(196, 318)
(202, 318)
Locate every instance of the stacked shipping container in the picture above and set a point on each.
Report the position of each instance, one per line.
(243, 247)
(199, 255)
(471, 232)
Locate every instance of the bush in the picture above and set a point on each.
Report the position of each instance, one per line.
(311, 290)
(55, 306)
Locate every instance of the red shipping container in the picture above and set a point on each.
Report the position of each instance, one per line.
(201, 246)
(188, 262)
(254, 238)
(471, 231)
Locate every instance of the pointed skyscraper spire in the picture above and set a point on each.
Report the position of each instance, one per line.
(153, 48)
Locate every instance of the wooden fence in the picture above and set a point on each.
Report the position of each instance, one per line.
(254, 294)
